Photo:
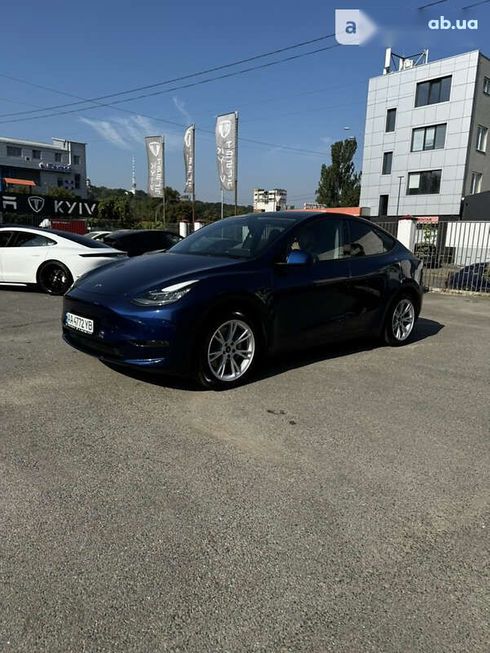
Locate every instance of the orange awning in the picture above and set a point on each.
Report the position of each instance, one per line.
(18, 182)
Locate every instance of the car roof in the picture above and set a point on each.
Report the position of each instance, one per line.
(130, 232)
(41, 230)
(306, 214)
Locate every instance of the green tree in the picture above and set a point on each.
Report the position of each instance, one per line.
(61, 193)
(339, 183)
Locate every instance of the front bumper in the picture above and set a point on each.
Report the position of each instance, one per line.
(126, 335)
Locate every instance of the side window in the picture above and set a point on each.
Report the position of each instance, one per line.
(36, 241)
(366, 241)
(27, 239)
(124, 243)
(173, 239)
(170, 240)
(149, 241)
(5, 237)
(322, 239)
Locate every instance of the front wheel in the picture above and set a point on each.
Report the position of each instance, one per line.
(54, 278)
(400, 321)
(228, 352)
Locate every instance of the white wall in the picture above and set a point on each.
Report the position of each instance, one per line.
(397, 90)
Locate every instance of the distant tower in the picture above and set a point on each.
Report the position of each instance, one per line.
(133, 177)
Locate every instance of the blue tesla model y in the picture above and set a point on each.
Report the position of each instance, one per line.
(218, 301)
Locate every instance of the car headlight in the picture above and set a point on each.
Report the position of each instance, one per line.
(164, 296)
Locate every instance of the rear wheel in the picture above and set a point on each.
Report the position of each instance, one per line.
(228, 351)
(400, 321)
(54, 278)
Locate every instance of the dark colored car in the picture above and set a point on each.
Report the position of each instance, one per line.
(139, 241)
(474, 277)
(243, 287)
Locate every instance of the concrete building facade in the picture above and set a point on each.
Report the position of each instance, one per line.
(41, 166)
(270, 200)
(426, 142)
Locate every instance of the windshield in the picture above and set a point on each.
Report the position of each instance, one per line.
(245, 236)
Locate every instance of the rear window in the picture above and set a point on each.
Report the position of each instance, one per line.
(80, 240)
(367, 241)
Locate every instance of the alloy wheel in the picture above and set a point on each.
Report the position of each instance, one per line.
(231, 350)
(56, 280)
(403, 319)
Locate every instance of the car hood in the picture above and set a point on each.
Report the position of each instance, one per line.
(133, 276)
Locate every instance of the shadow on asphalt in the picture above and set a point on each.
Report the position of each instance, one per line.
(279, 364)
(424, 329)
(30, 288)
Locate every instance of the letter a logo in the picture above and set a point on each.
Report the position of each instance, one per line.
(353, 27)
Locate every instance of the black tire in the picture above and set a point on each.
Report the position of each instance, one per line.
(208, 374)
(400, 320)
(54, 278)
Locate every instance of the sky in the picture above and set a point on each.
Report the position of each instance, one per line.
(57, 52)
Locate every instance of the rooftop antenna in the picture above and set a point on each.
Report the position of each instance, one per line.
(396, 62)
(133, 176)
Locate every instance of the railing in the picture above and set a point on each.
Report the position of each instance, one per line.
(455, 252)
(390, 226)
(456, 255)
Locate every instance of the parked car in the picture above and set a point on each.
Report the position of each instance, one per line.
(474, 277)
(139, 241)
(49, 258)
(97, 235)
(243, 287)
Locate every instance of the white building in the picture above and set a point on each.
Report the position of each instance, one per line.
(426, 136)
(270, 200)
(41, 166)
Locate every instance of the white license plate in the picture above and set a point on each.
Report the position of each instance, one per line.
(79, 323)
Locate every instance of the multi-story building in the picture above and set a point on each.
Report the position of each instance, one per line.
(426, 138)
(270, 200)
(42, 166)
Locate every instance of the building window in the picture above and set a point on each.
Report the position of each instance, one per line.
(76, 159)
(427, 182)
(486, 85)
(60, 182)
(481, 139)
(476, 178)
(12, 150)
(434, 91)
(383, 204)
(428, 138)
(390, 120)
(36, 154)
(77, 181)
(387, 163)
(57, 157)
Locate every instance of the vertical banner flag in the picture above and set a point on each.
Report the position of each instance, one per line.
(189, 149)
(226, 150)
(156, 173)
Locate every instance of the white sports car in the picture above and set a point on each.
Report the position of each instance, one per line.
(51, 259)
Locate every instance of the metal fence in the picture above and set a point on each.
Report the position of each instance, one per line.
(456, 255)
(390, 226)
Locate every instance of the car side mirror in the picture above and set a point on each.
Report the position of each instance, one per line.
(299, 257)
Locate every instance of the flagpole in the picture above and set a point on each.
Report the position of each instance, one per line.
(163, 175)
(222, 201)
(193, 177)
(236, 162)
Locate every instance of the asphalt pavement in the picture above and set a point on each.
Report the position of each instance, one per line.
(337, 503)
